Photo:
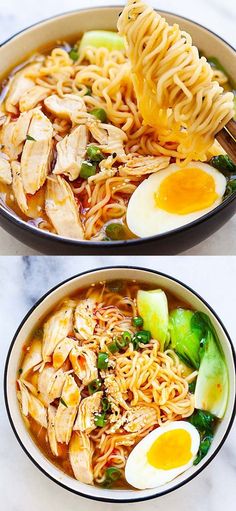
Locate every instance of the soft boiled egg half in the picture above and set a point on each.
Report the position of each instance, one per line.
(162, 455)
(173, 197)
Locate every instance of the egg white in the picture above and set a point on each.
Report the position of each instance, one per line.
(144, 218)
(138, 471)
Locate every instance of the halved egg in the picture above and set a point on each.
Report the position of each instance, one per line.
(162, 455)
(173, 197)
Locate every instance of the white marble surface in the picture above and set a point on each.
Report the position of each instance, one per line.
(218, 15)
(23, 281)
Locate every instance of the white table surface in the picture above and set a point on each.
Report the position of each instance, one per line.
(218, 15)
(23, 281)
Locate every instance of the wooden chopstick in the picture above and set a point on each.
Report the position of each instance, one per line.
(227, 139)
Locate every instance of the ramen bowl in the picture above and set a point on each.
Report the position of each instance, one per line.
(42, 308)
(68, 27)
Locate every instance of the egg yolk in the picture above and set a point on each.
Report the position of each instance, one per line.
(185, 191)
(170, 450)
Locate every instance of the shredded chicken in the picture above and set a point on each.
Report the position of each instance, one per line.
(141, 165)
(33, 97)
(6, 140)
(18, 188)
(20, 83)
(109, 137)
(71, 151)
(62, 351)
(88, 407)
(51, 430)
(21, 128)
(65, 107)
(114, 392)
(67, 410)
(5, 171)
(140, 417)
(57, 328)
(37, 153)
(62, 210)
(84, 363)
(50, 384)
(80, 454)
(32, 358)
(31, 405)
(84, 322)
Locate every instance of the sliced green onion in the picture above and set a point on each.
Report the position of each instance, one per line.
(137, 321)
(88, 91)
(87, 169)
(73, 54)
(102, 360)
(113, 348)
(94, 386)
(115, 231)
(28, 137)
(100, 420)
(124, 340)
(100, 113)
(105, 404)
(142, 337)
(112, 475)
(20, 371)
(94, 153)
(63, 402)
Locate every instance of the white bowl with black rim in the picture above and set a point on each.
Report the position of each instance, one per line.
(70, 26)
(42, 308)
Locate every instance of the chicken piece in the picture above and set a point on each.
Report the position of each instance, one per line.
(20, 83)
(80, 454)
(141, 165)
(57, 327)
(109, 137)
(71, 151)
(37, 153)
(21, 127)
(32, 97)
(84, 363)
(5, 171)
(31, 405)
(6, 140)
(84, 322)
(32, 359)
(57, 384)
(62, 209)
(18, 188)
(51, 430)
(139, 418)
(65, 107)
(45, 381)
(67, 410)
(113, 391)
(88, 407)
(62, 351)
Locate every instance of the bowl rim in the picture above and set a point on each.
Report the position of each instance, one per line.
(5, 379)
(46, 235)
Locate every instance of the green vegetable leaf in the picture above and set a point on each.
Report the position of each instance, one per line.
(192, 386)
(203, 421)
(224, 164)
(205, 445)
(185, 340)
